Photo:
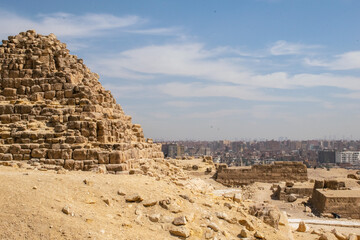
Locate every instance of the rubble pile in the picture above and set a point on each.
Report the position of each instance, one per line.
(54, 111)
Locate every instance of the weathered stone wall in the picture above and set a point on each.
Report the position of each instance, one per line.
(345, 203)
(54, 110)
(279, 171)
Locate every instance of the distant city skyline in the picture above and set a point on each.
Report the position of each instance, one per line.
(211, 70)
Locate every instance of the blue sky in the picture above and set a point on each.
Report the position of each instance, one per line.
(209, 70)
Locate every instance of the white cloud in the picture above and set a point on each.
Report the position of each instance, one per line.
(185, 104)
(345, 61)
(157, 31)
(65, 24)
(285, 48)
(192, 60)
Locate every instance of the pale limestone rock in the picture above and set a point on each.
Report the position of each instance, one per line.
(213, 226)
(302, 227)
(154, 217)
(133, 198)
(259, 235)
(68, 210)
(180, 231)
(179, 221)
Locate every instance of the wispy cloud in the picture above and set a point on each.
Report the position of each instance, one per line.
(65, 24)
(345, 61)
(286, 48)
(193, 60)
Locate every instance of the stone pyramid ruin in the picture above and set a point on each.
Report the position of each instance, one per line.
(54, 111)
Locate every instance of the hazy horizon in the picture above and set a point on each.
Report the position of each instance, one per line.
(252, 69)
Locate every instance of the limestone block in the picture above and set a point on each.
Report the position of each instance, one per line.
(117, 167)
(116, 157)
(15, 149)
(92, 154)
(23, 109)
(6, 109)
(69, 164)
(103, 157)
(66, 154)
(39, 153)
(7, 157)
(54, 153)
(80, 154)
(49, 94)
(78, 165)
(18, 157)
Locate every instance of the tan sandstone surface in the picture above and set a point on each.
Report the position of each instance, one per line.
(32, 206)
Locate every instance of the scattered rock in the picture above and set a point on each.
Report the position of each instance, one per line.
(121, 192)
(338, 235)
(87, 182)
(259, 235)
(150, 203)
(213, 226)
(291, 198)
(244, 233)
(107, 201)
(246, 224)
(180, 232)
(307, 209)
(155, 217)
(68, 210)
(353, 236)
(302, 227)
(237, 197)
(134, 198)
(179, 221)
(327, 236)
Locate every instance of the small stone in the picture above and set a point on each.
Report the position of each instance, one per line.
(107, 201)
(150, 203)
(302, 227)
(208, 234)
(327, 236)
(87, 182)
(307, 209)
(338, 235)
(179, 221)
(68, 210)
(180, 232)
(121, 193)
(138, 212)
(222, 215)
(352, 236)
(213, 226)
(35, 187)
(134, 198)
(237, 197)
(244, 233)
(315, 231)
(259, 235)
(154, 217)
(291, 198)
(246, 224)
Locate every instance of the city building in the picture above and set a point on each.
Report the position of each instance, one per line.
(326, 156)
(347, 157)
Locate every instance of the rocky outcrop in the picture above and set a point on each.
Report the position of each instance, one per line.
(53, 110)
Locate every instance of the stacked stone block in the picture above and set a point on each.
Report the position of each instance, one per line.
(271, 173)
(54, 110)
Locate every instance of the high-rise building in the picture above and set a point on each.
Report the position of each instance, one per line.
(326, 156)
